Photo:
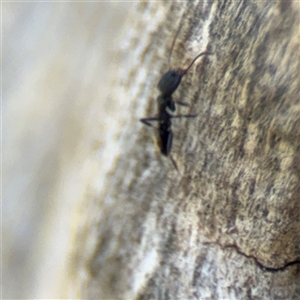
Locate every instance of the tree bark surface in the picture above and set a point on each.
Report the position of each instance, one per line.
(227, 225)
(77, 78)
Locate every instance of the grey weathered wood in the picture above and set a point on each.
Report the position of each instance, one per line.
(227, 226)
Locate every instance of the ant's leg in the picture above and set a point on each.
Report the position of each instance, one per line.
(146, 121)
(174, 163)
(181, 103)
(184, 116)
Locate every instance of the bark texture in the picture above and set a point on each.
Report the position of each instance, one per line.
(228, 225)
(76, 82)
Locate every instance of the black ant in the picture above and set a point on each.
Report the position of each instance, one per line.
(167, 85)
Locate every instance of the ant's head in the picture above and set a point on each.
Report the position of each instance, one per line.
(169, 82)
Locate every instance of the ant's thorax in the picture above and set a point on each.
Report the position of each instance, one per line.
(165, 103)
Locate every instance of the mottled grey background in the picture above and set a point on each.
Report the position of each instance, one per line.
(57, 59)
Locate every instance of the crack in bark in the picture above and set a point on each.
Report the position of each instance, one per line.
(257, 262)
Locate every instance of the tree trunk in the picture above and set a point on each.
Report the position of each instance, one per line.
(227, 225)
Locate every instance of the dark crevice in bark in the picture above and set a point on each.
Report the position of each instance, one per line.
(257, 262)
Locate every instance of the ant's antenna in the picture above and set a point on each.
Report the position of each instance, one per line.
(173, 43)
(183, 72)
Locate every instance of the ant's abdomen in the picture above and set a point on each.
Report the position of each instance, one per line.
(169, 82)
(166, 138)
